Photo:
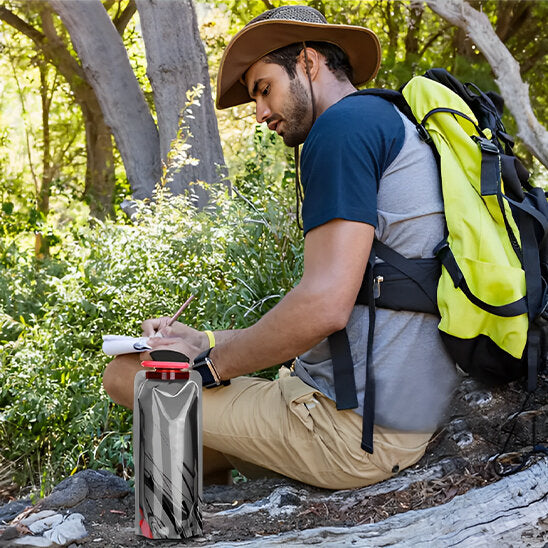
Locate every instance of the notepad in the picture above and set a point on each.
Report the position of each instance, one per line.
(121, 344)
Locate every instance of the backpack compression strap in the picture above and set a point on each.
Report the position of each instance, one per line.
(343, 369)
(411, 283)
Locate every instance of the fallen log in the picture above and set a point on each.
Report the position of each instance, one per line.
(510, 512)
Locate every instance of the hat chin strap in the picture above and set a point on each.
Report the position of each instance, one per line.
(298, 186)
(310, 84)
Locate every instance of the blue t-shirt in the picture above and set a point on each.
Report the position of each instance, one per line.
(344, 156)
(355, 146)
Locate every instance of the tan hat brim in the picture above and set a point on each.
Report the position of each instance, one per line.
(258, 39)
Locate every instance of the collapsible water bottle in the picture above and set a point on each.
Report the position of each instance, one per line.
(167, 448)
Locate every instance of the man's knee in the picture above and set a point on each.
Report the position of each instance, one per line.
(118, 378)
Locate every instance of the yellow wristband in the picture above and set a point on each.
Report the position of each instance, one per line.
(211, 338)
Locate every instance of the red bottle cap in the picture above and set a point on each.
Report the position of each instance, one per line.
(166, 365)
(167, 371)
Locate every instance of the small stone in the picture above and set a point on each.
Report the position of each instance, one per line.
(71, 529)
(289, 499)
(9, 533)
(462, 439)
(479, 397)
(44, 524)
(13, 509)
(29, 520)
(29, 541)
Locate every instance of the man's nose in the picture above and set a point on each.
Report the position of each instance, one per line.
(262, 112)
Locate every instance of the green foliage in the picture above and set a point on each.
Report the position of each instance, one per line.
(239, 257)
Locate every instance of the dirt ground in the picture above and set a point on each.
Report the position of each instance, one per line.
(109, 522)
(479, 428)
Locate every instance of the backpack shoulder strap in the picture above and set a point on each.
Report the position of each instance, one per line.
(394, 97)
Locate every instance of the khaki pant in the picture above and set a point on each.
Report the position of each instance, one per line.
(290, 428)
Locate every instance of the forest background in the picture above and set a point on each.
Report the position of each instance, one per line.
(93, 124)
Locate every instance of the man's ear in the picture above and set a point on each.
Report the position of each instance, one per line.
(314, 61)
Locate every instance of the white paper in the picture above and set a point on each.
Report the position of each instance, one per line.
(120, 344)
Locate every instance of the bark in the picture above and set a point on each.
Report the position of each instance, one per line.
(510, 18)
(41, 245)
(506, 69)
(176, 62)
(100, 177)
(412, 37)
(107, 68)
(122, 18)
(510, 512)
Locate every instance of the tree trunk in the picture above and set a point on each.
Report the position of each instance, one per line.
(414, 17)
(107, 68)
(100, 178)
(506, 69)
(100, 164)
(176, 62)
(41, 244)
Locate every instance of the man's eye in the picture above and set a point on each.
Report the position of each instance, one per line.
(266, 90)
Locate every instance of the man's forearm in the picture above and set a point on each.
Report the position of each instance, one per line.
(335, 257)
(295, 325)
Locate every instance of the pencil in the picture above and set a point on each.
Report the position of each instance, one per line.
(180, 311)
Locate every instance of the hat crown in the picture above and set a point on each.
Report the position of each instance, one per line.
(303, 14)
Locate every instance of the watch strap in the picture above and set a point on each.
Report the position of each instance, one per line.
(205, 366)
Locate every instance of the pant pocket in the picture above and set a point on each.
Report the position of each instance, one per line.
(299, 398)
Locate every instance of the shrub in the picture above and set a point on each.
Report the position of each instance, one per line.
(238, 257)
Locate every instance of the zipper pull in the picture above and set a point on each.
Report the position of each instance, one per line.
(377, 286)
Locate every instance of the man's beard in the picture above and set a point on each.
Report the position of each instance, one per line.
(298, 116)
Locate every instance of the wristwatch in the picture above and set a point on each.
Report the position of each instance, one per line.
(204, 365)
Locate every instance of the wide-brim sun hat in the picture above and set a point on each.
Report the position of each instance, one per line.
(280, 27)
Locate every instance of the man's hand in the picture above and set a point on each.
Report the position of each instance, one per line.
(158, 327)
(176, 344)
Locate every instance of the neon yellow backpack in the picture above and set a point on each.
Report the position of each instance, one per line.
(489, 278)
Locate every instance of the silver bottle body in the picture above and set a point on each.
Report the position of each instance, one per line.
(167, 454)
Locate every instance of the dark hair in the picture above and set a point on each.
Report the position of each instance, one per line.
(335, 58)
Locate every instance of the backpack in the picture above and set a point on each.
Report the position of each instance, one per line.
(488, 279)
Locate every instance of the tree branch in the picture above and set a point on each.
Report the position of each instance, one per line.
(122, 19)
(22, 26)
(57, 51)
(506, 69)
(269, 5)
(431, 40)
(510, 18)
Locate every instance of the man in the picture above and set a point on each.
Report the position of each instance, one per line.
(365, 173)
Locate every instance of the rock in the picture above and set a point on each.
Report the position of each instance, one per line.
(36, 517)
(71, 529)
(66, 494)
(289, 499)
(9, 534)
(281, 501)
(13, 509)
(28, 541)
(104, 485)
(41, 525)
(94, 484)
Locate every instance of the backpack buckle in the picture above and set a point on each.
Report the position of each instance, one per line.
(423, 134)
(441, 249)
(486, 145)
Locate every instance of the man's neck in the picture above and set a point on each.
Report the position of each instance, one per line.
(331, 94)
